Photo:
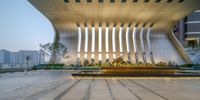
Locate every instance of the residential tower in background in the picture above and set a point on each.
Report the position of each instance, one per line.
(19, 58)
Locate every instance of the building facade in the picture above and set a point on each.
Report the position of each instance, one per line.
(4, 57)
(189, 30)
(17, 58)
(101, 31)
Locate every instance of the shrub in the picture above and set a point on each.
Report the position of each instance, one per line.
(161, 64)
(51, 65)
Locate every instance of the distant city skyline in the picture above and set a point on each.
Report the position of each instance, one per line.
(23, 27)
(20, 57)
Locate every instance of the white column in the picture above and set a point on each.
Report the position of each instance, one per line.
(135, 43)
(127, 39)
(141, 39)
(120, 41)
(148, 39)
(100, 43)
(149, 45)
(134, 39)
(86, 43)
(93, 42)
(142, 45)
(79, 43)
(127, 44)
(113, 42)
(107, 42)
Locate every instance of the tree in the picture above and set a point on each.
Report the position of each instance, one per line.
(56, 52)
(194, 54)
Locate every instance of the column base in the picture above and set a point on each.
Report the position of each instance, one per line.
(136, 58)
(152, 58)
(100, 62)
(78, 62)
(129, 58)
(107, 61)
(144, 57)
(92, 61)
(86, 62)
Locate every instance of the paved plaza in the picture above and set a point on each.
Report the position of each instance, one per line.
(60, 85)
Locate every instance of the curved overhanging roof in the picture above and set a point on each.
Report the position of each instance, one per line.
(65, 16)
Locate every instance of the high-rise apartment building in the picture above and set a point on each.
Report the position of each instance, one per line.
(4, 56)
(32, 57)
(187, 30)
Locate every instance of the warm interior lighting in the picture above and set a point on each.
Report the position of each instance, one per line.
(120, 39)
(141, 39)
(127, 39)
(85, 56)
(134, 39)
(92, 56)
(100, 39)
(100, 57)
(148, 39)
(79, 40)
(86, 42)
(86, 39)
(93, 39)
(113, 39)
(107, 39)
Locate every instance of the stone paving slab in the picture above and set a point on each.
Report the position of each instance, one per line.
(60, 85)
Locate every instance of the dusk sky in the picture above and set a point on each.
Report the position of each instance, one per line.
(23, 27)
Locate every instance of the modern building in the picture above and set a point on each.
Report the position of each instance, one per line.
(188, 30)
(17, 58)
(14, 58)
(33, 56)
(104, 30)
(4, 56)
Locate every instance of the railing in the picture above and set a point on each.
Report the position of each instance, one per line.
(179, 47)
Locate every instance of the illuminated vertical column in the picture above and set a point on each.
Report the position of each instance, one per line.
(107, 44)
(120, 42)
(79, 45)
(93, 44)
(135, 43)
(113, 43)
(100, 44)
(148, 39)
(86, 43)
(149, 45)
(127, 43)
(142, 44)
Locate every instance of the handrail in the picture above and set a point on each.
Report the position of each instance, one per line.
(179, 47)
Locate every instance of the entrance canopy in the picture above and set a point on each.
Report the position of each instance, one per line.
(65, 14)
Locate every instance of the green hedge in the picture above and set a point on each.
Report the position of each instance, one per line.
(4, 70)
(186, 65)
(51, 65)
(82, 67)
(48, 66)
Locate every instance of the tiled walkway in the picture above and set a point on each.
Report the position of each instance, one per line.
(60, 85)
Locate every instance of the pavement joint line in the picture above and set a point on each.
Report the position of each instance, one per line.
(148, 89)
(129, 90)
(29, 85)
(66, 90)
(110, 90)
(46, 91)
(88, 91)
